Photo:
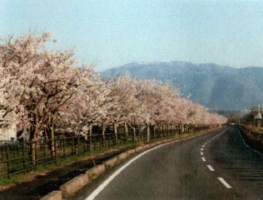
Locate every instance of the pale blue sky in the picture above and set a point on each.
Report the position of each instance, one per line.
(115, 32)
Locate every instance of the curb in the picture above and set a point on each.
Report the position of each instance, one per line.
(74, 185)
(111, 162)
(94, 172)
(71, 187)
(55, 195)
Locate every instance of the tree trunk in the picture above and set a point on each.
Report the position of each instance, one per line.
(103, 134)
(52, 137)
(33, 151)
(163, 131)
(90, 137)
(182, 128)
(33, 138)
(116, 132)
(148, 132)
(126, 132)
(154, 131)
(134, 132)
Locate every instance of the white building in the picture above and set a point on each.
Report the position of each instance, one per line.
(7, 130)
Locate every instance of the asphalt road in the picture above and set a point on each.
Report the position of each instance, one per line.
(217, 165)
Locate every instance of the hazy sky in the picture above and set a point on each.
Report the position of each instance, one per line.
(115, 32)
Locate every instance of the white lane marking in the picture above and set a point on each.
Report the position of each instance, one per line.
(224, 182)
(202, 153)
(106, 182)
(202, 149)
(210, 168)
(248, 145)
(203, 158)
(203, 146)
(255, 150)
(215, 137)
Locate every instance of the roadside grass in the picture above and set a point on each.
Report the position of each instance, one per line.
(61, 162)
(253, 136)
(5, 182)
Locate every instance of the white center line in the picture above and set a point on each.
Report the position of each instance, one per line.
(224, 183)
(202, 149)
(202, 153)
(210, 168)
(203, 158)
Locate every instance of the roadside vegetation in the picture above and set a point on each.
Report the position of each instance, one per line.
(251, 128)
(6, 182)
(253, 136)
(50, 97)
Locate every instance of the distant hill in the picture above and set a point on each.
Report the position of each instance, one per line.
(214, 86)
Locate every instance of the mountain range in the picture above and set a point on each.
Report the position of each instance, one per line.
(214, 86)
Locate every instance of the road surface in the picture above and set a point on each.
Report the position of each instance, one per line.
(217, 165)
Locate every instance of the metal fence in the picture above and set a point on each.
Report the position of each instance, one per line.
(19, 157)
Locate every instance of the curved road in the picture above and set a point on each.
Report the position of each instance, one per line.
(217, 165)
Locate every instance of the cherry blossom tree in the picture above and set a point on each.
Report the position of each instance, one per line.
(158, 100)
(42, 90)
(41, 82)
(88, 106)
(128, 106)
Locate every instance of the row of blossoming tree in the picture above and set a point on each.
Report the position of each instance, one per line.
(45, 90)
